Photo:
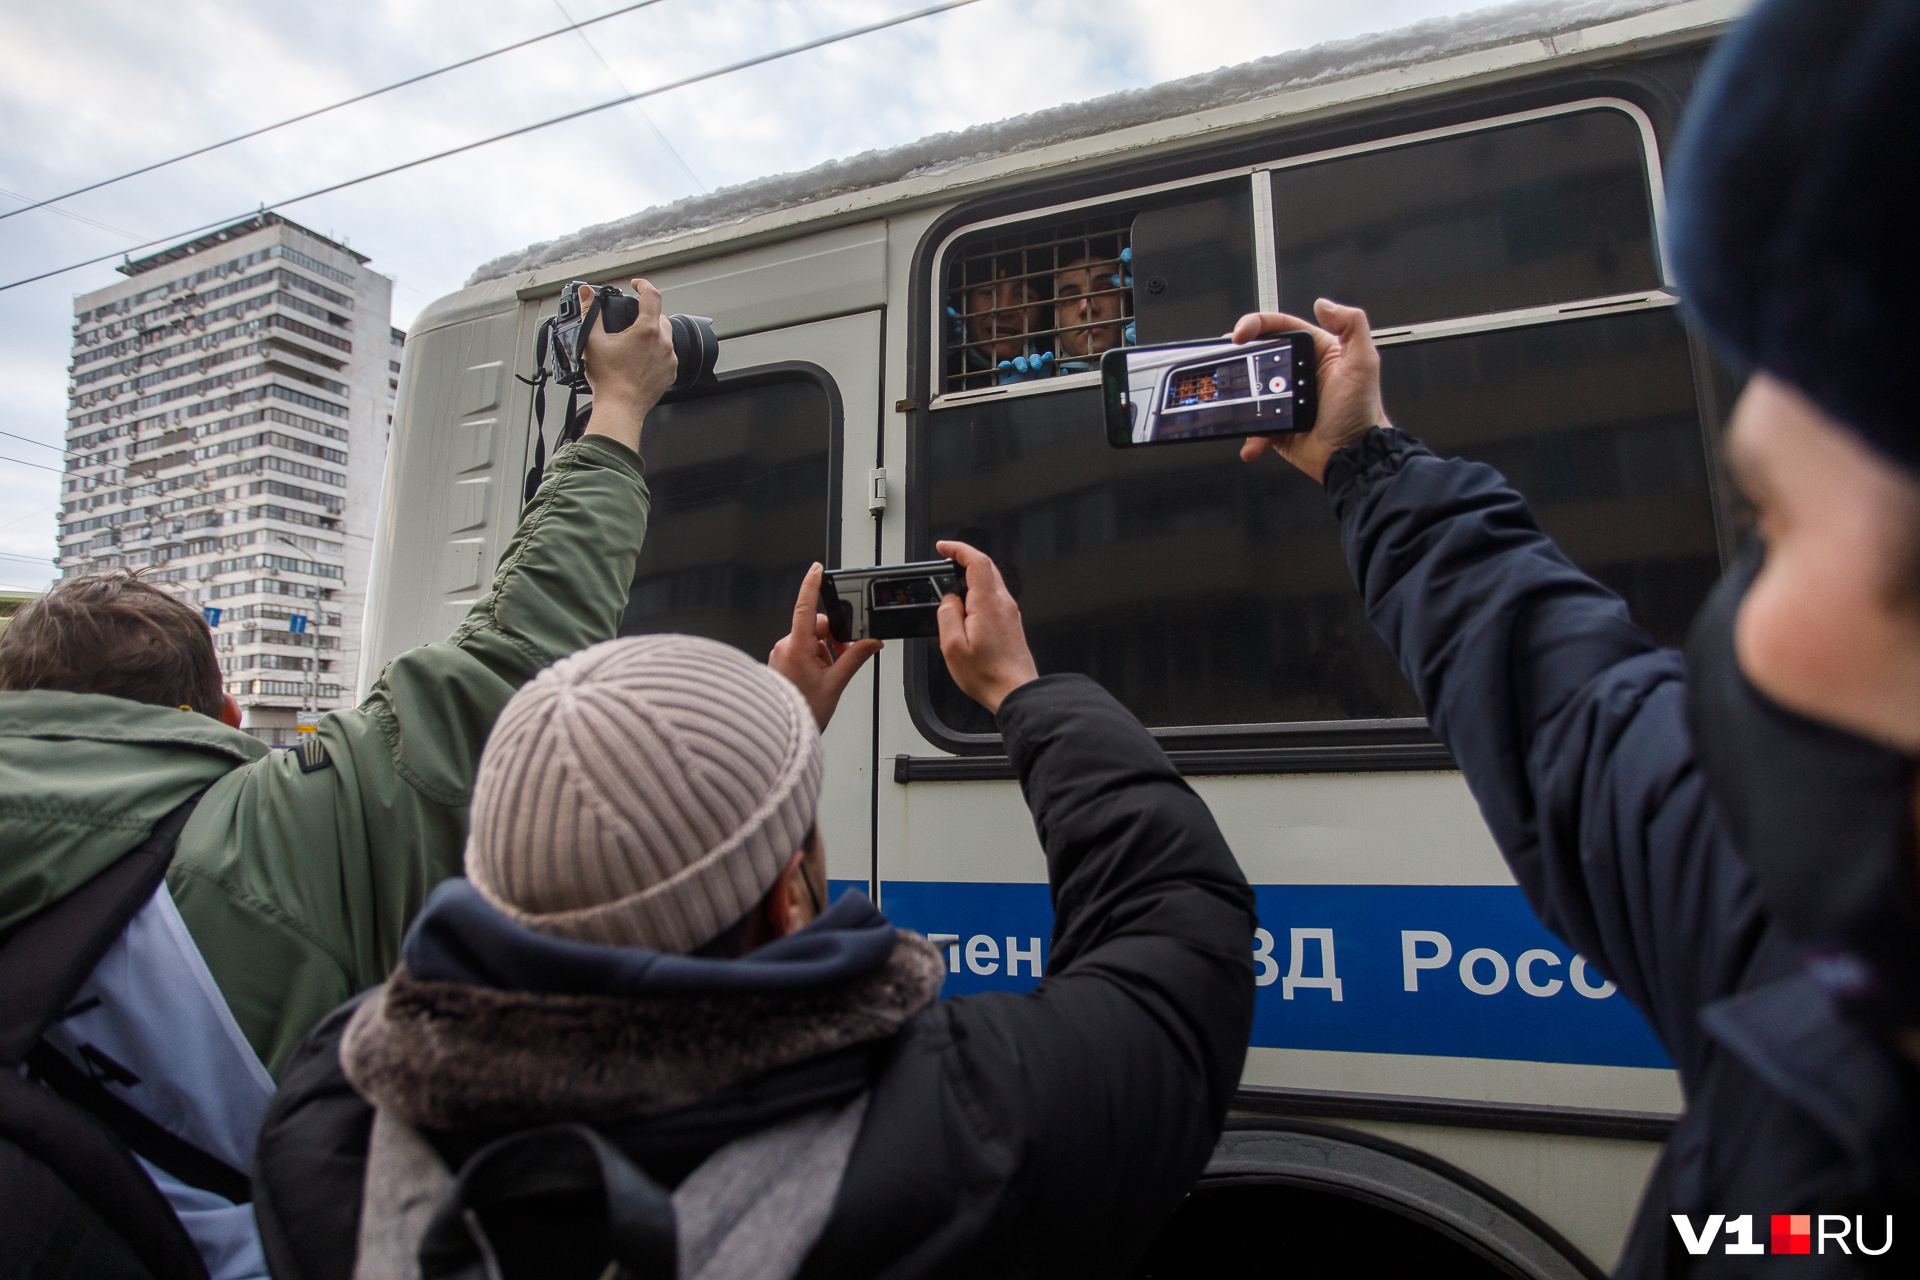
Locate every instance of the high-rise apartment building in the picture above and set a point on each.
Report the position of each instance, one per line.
(227, 430)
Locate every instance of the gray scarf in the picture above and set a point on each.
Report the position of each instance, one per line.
(751, 1211)
(448, 1056)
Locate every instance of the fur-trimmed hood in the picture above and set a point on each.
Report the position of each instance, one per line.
(458, 1054)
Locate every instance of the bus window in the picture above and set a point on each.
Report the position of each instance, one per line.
(1205, 592)
(1198, 590)
(1045, 297)
(1595, 421)
(1193, 264)
(741, 504)
(1493, 220)
(1055, 295)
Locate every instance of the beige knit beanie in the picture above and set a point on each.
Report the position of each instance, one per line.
(644, 792)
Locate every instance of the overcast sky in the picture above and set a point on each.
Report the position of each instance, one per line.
(91, 88)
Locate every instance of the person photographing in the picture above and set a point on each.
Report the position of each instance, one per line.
(1730, 835)
(637, 1035)
(290, 876)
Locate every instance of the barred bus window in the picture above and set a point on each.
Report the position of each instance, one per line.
(740, 484)
(1037, 301)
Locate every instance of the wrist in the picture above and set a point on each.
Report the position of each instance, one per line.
(1001, 692)
(619, 416)
(1324, 450)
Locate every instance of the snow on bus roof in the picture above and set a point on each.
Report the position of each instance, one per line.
(1335, 60)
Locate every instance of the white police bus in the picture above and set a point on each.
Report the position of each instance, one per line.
(909, 350)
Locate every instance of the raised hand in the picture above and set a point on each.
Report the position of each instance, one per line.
(630, 370)
(981, 636)
(808, 656)
(1349, 376)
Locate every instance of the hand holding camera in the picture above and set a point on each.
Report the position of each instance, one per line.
(1349, 384)
(809, 656)
(628, 367)
(981, 636)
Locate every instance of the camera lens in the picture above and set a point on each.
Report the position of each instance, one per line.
(695, 348)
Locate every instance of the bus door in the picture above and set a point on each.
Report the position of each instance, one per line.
(749, 487)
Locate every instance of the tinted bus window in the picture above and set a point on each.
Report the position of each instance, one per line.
(741, 505)
(1524, 215)
(1205, 592)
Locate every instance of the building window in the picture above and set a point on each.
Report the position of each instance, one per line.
(742, 487)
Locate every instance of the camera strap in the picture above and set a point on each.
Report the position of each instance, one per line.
(574, 424)
(537, 411)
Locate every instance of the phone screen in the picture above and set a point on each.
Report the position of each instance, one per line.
(1202, 391)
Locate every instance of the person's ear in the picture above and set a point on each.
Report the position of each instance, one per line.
(785, 909)
(229, 711)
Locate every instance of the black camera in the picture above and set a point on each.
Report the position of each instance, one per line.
(695, 348)
(889, 602)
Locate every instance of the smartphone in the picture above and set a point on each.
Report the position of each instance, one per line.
(889, 602)
(1205, 390)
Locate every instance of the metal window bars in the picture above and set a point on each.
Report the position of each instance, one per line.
(1037, 301)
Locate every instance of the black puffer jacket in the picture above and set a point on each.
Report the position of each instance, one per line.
(1042, 1134)
(1570, 726)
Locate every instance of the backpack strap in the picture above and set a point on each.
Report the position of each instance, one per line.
(47, 958)
(44, 961)
(530, 1169)
(158, 1146)
(83, 1155)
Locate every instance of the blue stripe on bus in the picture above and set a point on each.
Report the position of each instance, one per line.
(837, 887)
(1486, 1012)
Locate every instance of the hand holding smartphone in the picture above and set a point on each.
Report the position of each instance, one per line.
(1206, 390)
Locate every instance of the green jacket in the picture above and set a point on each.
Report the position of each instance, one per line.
(298, 886)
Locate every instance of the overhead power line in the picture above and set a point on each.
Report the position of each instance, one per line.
(682, 83)
(19, 463)
(320, 111)
(621, 85)
(67, 213)
(42, 443)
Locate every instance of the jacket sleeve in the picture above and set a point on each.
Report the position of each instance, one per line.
(298, 884)
(1567, 721)
(1126, 1056)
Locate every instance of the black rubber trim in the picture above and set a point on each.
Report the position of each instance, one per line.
(157, 1146)
(1486, 1191)
(1383, 758)
(1452, 1113)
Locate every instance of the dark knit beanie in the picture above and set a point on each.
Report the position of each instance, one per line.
(1794, 206)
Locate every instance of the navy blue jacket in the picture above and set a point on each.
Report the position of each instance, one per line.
(1570, 727)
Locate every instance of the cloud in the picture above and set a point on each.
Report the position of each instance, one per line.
(94, 87)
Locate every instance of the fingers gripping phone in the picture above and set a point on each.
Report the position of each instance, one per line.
(1206, 390)
(889, 602)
